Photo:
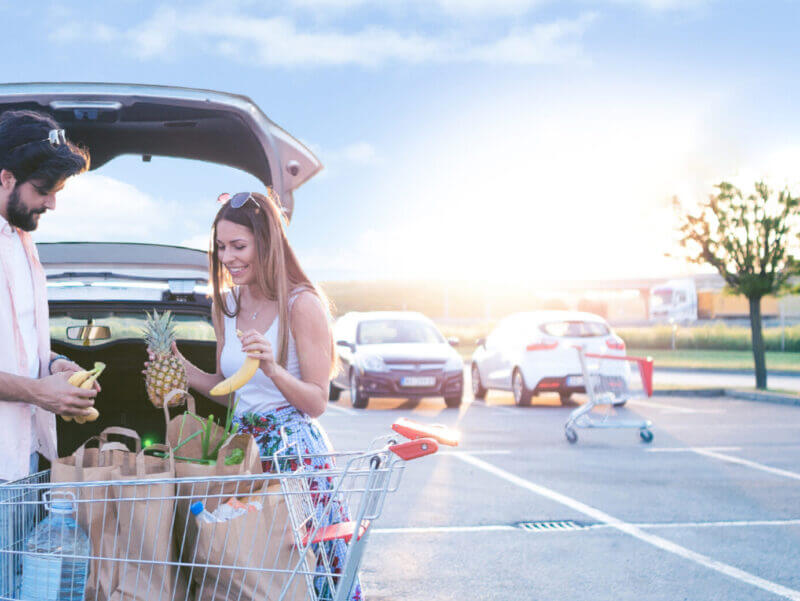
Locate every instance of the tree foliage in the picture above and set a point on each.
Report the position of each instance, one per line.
(748, 239)
(751, 241)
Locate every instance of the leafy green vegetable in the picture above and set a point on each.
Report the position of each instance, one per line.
(235, 457)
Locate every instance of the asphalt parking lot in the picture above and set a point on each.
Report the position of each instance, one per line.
(708, 510)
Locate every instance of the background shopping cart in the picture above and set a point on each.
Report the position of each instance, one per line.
(611, 381)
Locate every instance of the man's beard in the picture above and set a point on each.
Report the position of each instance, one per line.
(20, 216)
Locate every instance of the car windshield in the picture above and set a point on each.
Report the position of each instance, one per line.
(390, 331)
(127, 325)
(661, 297)
(575, 329)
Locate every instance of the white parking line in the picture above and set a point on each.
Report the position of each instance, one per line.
(745, 462)
(689, 449)
(444, 529)
(485, 452)
(644, 525)
(673, 408)
(725, 524)
(635, 531)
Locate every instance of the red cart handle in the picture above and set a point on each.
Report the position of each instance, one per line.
(413, 430)
(411, 449)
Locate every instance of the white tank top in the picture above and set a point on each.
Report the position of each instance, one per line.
(260, 394)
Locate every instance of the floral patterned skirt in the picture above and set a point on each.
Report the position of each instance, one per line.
(310, 438)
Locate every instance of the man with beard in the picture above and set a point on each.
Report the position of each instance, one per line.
(35, 161)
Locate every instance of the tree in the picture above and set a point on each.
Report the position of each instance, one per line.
(749, 241)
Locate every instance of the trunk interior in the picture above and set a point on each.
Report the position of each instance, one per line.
(123, 400)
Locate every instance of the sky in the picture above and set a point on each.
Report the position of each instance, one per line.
(471, 140)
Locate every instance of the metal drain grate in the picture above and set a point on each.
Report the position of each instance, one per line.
(550, 526)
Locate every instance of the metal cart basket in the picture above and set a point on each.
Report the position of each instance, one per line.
(148, 542)
(612, 381)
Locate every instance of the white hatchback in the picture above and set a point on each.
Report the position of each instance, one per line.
(532, 353)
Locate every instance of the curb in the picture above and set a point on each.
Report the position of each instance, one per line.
(716, 370)
(764, 397)
(692, 392)
(759, 397)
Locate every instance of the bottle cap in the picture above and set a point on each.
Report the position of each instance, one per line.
(196, 508)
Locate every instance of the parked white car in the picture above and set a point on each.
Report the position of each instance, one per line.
(533, 353)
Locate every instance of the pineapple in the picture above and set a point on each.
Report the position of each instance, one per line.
(165, 372)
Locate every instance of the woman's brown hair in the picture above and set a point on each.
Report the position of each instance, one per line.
(278, 272)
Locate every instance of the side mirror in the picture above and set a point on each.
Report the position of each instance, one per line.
(453, 341)
(346, 344)
(88, 333)
(480, 342)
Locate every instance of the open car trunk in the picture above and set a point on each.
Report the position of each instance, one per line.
(123, 119)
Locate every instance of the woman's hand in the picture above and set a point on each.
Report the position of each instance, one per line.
(187, 365)
(256, 346)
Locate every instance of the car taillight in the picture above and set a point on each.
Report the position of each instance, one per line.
(544, 345)
(615, 344)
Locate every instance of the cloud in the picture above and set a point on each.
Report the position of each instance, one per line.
(98, 208)
(278, 41)
(360, 153)
(477, 9)
(551, 43)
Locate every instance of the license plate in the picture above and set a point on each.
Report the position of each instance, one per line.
(418, 381)
(574, 380)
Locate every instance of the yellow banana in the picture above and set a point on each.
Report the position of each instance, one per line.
(82, 419)
(93, 375)
(79, 377)
(85, 380)
(237, 380)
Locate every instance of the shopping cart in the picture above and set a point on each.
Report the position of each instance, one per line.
(611, 381)
(147, 546)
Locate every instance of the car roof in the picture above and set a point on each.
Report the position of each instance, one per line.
(122, 271)
(545, 316)
(121, 257)
(118, 119)
(378, 315)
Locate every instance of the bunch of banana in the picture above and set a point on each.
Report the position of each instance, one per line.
(239, 379)
(85, 379)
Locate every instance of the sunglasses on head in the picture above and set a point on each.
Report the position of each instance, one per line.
(56, 138)
(236, 200)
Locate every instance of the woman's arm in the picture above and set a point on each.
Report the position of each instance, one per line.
(309, 325)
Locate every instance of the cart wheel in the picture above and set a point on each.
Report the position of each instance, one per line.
(572, 435)
(646, 435)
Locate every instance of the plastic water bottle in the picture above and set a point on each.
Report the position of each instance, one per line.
(54, 566)
(202, 514)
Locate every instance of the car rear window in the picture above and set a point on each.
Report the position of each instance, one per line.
(390, 331)
(129, 325)
(575, 329)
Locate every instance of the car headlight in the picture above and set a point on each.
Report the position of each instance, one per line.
(454, 364)
(373, 363)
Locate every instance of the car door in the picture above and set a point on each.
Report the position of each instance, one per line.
(492, 364)
(508, 356)
(344, 336)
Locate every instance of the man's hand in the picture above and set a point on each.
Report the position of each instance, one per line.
(58, 396)
(65, 366)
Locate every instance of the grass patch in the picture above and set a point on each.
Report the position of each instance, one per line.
(718, 359)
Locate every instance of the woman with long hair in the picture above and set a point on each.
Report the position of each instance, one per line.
(260, 290)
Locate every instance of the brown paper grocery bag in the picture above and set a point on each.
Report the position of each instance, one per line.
(259, 546)
(184, 432)
(96, 508)
(146, 512)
